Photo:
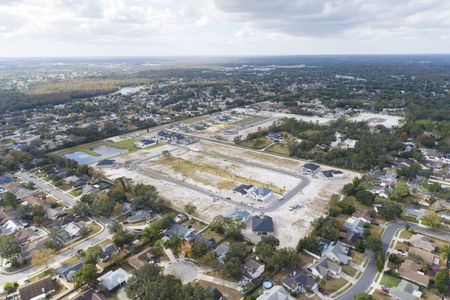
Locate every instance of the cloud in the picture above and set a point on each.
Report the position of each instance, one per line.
(337, 18)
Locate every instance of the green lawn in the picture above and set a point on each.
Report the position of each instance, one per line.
(350, 271)
(258, 143)
(390, 281)
(42, 274)
(125, 144)
(279, 148)
(333, 284)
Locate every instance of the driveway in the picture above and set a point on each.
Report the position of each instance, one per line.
(371, 271)
(186, 271)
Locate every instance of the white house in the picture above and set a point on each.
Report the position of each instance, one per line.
(11, 226)
(260, 193)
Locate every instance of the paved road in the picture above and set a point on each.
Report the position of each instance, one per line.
(371, 271)
(69, 200)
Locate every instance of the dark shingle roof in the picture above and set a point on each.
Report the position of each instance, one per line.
(311, 166)
(37, 288)
(262, 224)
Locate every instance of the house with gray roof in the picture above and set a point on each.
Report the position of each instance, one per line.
(262, 224)
(139, 215)
(277, 292)
(337, 252)
(324, 267)
(405, 290)
(238, 214)
(253, 269)
(114, 279)
(178, 230)
(221, 251)
(68, 272)
(299, 282)
(355, 225)
(260, 193)
(39, 289)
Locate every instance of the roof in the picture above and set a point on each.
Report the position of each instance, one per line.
(222, 250)
(12, 225)
(178, 230)
(139, 215)
(198, 238)
(252, 265)
(215, 293)
(299, 279)
(243, 188)
(324, 264)
(331, 173)
(337, 251)
(262, 192)
(25, 235)
(37, 288)
(311, 166)
(106, 162)
(354, 224)
(113, 279)
(141, 259)
(89, 294)
(237, 214)
(409, 270)
(68, 271)
(425, 255)
(262, 224)
(405, 291)
(421, 241)
(277, 292)
(362, 214)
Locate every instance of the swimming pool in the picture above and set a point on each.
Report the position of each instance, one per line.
(103, 151)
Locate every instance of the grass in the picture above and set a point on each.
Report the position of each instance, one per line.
(279, 148)
(257, 143)
(405, 234)
(379, 295)
(390, 281)
(334, 284)
(125, 144)
(42, 274)
(76, 192)
(71, 261)
(185, 167)
(350, 271)
(95, 227)
(356, 257)
(227, 292)
(305, 259)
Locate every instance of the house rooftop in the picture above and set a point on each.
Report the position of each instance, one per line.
(311, 166)
(406, 290)
(262, 224)
(113, 279)
(38, 289)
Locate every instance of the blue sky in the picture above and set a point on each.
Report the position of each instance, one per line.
(222, 27)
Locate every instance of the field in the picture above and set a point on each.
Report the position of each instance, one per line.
(127, 144)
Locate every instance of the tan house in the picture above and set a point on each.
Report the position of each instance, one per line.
(141, 259)
(411, 271)
(422, 242)
(427, 256)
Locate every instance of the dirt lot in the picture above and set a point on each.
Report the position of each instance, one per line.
(290, 224)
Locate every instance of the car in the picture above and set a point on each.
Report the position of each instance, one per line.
(228, 198)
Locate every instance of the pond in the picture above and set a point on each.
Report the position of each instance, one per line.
(103, 151)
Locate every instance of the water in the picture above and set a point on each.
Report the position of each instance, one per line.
(103, 151)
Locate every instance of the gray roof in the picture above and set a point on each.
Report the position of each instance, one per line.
(324, 264)
(37, 288)
(221, 250)
(299, 279)
(139, 215)
(337, 251)
(178, 230)
(277, 292)
(405, 291)
(113, 279)
(262, 224)
(311, 166)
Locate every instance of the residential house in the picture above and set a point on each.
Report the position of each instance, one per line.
(330, 174)
(113, 279)
(262, 225)
(107, 251)
(142, 258)
(39, 289)
(72, 229)
(32, 200)
(178, 230)
(215, 293)
(68, 272)
(412, 272)
(22, 193)
(106, 163)
(405, 290)
(253, 269)
(26, 235)
(4, 217)
(11, 226)
(299, 282)
(243, 189)
(415, 212)
(90, 294)
(363, 214)
(198, 238)
(310, 168)
(238, 214)
(277, 292)
(337, 252)
(422, 242)
(324, 267)
(275, 137)
(427, 256)
(355, 225)
(139, 216)
(145, 143)
(55, 213)
(221, 251)
(260, 193)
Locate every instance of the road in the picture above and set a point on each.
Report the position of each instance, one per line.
(46, 187)
(371, 271)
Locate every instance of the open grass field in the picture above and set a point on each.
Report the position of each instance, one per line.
(186, 167)
(42, 274)
(390, 281)
(333, 284)
(258, 143)
(279, 148)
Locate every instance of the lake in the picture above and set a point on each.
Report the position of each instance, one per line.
(103, 151)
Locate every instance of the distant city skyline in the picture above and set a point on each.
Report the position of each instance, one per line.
(101, 28)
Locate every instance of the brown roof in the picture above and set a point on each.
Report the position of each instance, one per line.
(31, 290)
(141, 259)
(409, 270)
(25, 235)
(363, 214)
(4, 217)
(425, 255)
(89, 294)
(32, 200)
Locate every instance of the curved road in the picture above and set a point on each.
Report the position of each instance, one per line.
(367, 278)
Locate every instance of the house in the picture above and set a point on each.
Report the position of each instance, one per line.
(332, 174)
(139, 215)
(113, 279)
(88, 188)
(355, 225)
(145, 143)
(11, 226)
(26, 235)
(324, 267)
(349, 238)
(142, 258)
(405, 290)
(215, 293)
(277, 292)
(275, 137)
(260, 193)
(178, 230)
(412, 272)
(238, 214)
(55, 213)
(243, 189)
(299, 282)
(107, 251)
(106, 163)
(4, 217)
(22, 193)
(39, 289)
(363, 214)
(72, 229)
(68, 272)
(32, 200)
(415, 212)
(427, 256)
(310, 168)
(337, 252)
(262, 224)
(422, 242)
(253, 269)
(89, 294)
(221, 251)
(198, 238)
(5, 179)
(102, 185)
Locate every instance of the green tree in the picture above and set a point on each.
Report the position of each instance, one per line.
(363, 296)
(81, 209)
(92, 254)
(308, 243)
(199, 249)
(400, 192)
(9, 247)
(9, 199)
(432, 219)
(86, 274)
(190, 208)
(380, 260)
(266, 247)
(365, 197)
(10, 287)
(233, 268)
(441, 281)
(152, 233)
(373, 243)
(390, 210)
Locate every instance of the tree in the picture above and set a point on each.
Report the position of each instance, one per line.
(43, 257)
(266, 247)
(283, 258)
(363, 296)
(152, 233)
(174, 243)
(380, 260)
(365, 197)
(81, 209)
(190, 208)
(86, 274)
(373, 243)
(92, 254)
(432, 219)
(400, 192)
(308, 243)
(9, 247)
(11, 287)
(25, 212)
(390, 210)
(441, 281)
(122, 237)
(114, 227)
(349, 189)
(9, 199)
(199, 249)
(147, 198)
(233, 268)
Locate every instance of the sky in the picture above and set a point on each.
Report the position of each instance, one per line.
(47, 28)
